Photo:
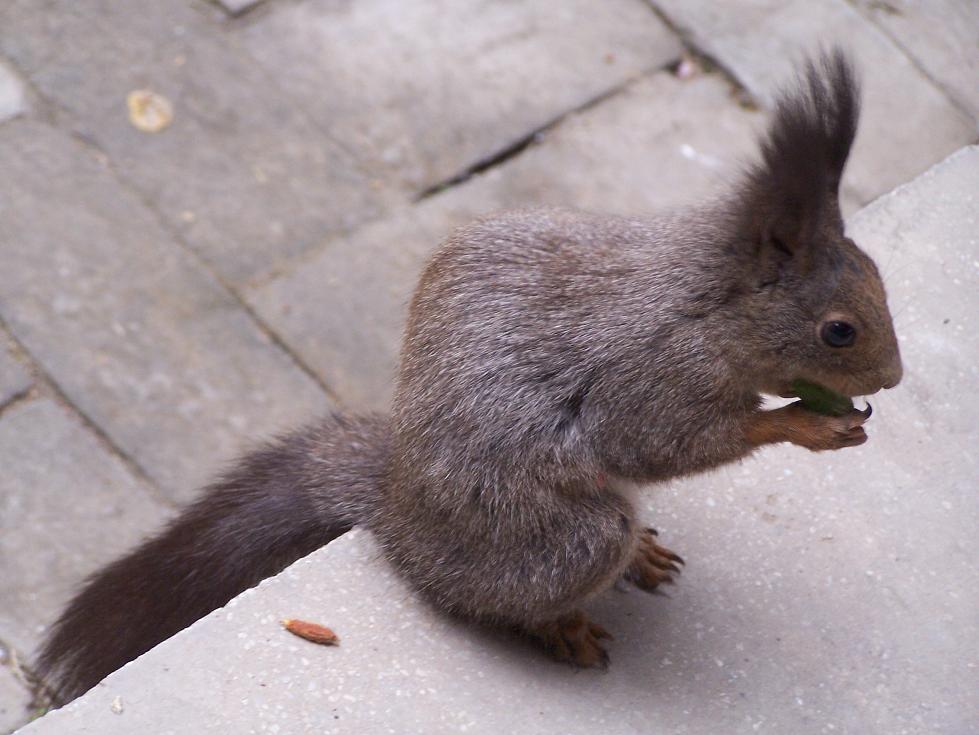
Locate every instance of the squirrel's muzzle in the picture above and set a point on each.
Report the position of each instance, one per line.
(894, 373)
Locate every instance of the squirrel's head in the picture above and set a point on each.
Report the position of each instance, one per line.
(819, 304)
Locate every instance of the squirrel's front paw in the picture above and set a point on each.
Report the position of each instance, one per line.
(653, 564)
(818, 432)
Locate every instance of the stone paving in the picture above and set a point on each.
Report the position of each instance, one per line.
(167, 299)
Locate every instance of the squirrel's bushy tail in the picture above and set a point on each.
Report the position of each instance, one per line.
(274, 506)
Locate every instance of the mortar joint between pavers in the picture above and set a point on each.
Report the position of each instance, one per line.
(949, 96)
(24, 396)
(513, 149)
(209, 268)
(45, 384)
(287, 349)
(709, 62)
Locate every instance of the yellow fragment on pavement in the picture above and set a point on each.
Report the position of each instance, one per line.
(149, 111)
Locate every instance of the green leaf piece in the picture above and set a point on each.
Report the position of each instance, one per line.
(821, 400)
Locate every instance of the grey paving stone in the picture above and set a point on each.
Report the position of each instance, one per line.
(12, 99)
(14, 699)
(908, 123)
(659, 144)
(240, 172)
(425, 89)
(941, 36)
(139, 337)
(67, 506)
(14, 378)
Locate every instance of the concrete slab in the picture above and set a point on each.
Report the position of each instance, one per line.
(823, 593)
(660, 143)
(440, 86)
(14, 377)
(241, 172)
(908, 123)
(925, 236)
(13, 101)
(940, 35)
(67, 506)
(127, 323)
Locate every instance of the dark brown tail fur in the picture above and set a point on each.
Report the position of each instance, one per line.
(793, 191)
(276, 505)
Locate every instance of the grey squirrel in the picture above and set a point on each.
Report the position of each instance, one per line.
(552, 361)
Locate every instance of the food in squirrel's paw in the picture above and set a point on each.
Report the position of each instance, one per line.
(822, 400)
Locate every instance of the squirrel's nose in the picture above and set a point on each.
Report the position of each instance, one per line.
(894, 373)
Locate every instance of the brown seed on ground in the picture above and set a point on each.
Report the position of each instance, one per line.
(313, 632)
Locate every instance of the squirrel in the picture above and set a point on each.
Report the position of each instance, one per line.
(553, 361)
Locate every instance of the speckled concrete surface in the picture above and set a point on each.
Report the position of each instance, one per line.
(823, 594)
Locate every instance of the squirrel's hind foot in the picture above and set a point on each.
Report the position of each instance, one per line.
(574, 640)
(653, 564)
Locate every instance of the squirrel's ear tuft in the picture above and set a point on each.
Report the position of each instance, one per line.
(793, 192)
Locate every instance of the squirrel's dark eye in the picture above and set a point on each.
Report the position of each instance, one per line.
(838, 334)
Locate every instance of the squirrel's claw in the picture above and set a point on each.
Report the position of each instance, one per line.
(575, 640)
(664, 552)
(653, 564)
